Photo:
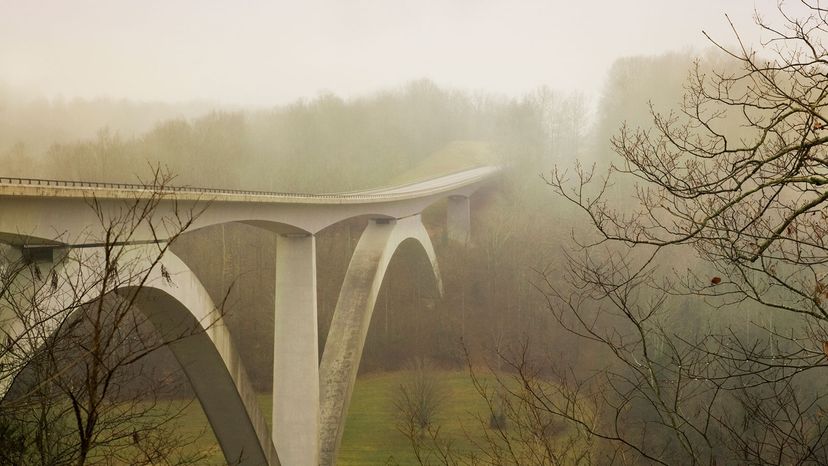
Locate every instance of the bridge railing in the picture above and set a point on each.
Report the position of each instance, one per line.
(5, 180)
(140, 187)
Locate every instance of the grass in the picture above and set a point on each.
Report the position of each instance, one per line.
(371, 436)
(454, 157)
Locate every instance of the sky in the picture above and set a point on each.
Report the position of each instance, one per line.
(272, 52)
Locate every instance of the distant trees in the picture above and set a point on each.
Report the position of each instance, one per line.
(322, 144)
(38, 123)
(75, 391)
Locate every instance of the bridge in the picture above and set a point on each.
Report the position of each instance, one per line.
(42, 219)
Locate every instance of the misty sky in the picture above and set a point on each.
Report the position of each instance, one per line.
(264, 53)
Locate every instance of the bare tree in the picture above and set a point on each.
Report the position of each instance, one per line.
(529, 433)
(721, 363)
(421, 396)
(78, 391)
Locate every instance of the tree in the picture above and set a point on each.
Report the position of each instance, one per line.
(74, 341)
(723, 362)
(421, 397)
(418, 401)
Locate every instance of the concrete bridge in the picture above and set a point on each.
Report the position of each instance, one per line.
(42, 219)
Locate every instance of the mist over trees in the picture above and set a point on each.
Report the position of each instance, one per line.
(304, 146)
(521, 236)
(699, 283)
(30, 124)
(329, 144)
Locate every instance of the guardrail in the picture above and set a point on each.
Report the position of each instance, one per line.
(140, 187)
(372, 194)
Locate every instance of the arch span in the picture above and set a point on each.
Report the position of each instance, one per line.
(352, 316)
(182, 311)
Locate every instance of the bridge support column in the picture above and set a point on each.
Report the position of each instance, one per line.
(458, 219)
(296, 353)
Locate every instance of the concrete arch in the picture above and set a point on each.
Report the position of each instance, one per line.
(180, 306)
(210, 361)
(352, 316)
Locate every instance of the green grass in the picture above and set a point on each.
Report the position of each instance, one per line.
(454, 157)
(371, 436)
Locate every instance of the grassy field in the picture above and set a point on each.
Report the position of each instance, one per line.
(454, 157)
(371, 436)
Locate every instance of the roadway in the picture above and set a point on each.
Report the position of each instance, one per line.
(39, 188)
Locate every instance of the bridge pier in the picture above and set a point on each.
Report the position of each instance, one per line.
(458, 219)
(296, 352)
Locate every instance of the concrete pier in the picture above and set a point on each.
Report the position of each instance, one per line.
(295, 352)
(458, 219)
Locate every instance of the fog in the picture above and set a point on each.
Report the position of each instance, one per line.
(266, 53)
(528, 232)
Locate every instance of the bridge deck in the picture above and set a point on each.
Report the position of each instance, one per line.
(33, 187)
